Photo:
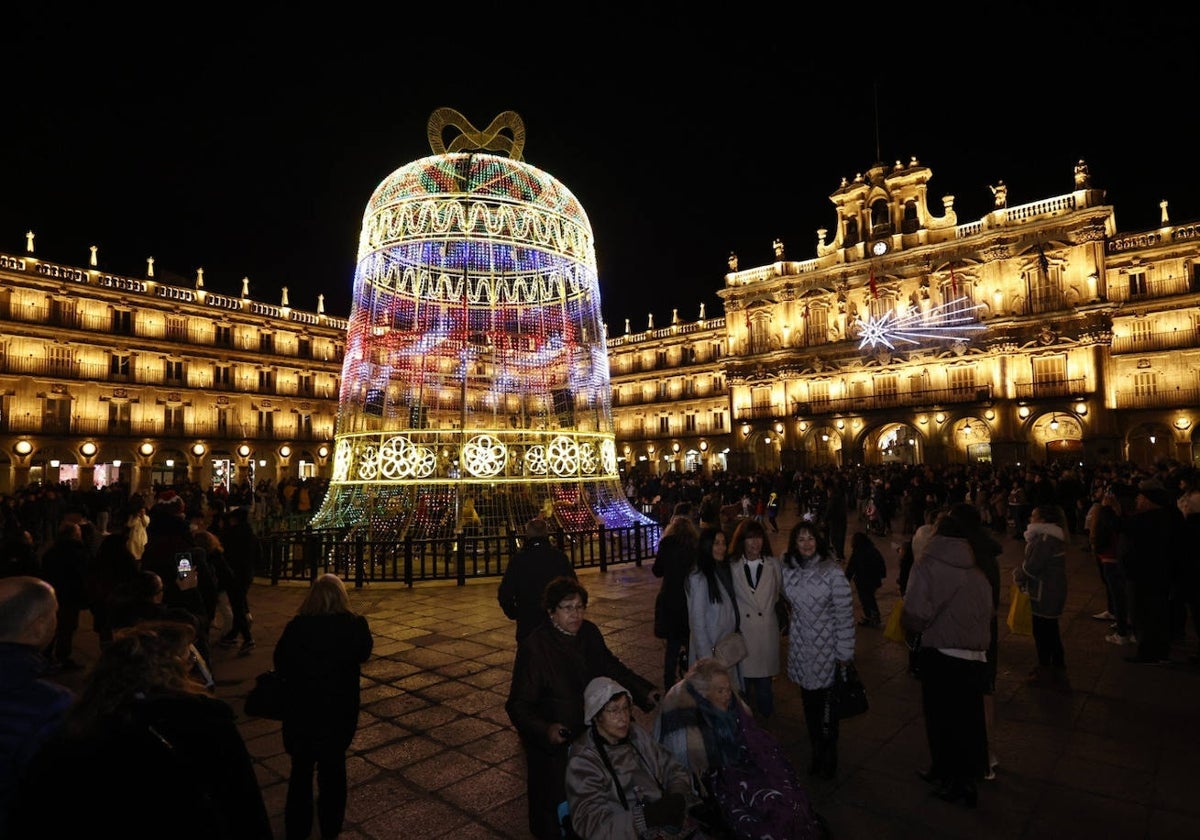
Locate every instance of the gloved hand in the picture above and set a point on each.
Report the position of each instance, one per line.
(670, 810)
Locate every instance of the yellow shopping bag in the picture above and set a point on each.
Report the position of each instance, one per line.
(1020, 612)
(895, 629)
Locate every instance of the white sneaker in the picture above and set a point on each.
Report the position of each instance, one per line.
(1104, 616)
(1118, 639)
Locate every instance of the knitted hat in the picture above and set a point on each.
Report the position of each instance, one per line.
(597, 694)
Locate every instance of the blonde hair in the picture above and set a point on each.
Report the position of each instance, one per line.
(328, 595)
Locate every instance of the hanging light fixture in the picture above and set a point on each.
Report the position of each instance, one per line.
(1054, 424)
(966, 429)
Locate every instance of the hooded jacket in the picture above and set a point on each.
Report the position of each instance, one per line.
(948, 599)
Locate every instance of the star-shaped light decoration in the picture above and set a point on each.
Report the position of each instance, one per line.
(951, 321)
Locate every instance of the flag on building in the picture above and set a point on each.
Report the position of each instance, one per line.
(871, 283)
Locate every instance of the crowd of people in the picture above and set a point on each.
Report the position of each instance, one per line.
(167, 583)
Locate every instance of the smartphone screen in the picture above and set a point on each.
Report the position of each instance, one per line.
(183, 564)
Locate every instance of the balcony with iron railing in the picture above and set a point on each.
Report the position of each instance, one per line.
(1177, 397)
(1051, 388)
(1119, 291)
(190, 334)
(1161, 340)
(867, 402)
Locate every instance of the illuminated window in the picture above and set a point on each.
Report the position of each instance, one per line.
(60, 361)
(1140, 330)
(884, 305)
(961, 379)
(818, 394)
(885, 389)
(118, 366)
(1145, 384)
(1045, 286)
(816, 324)
(118, 418)
(1137, 284)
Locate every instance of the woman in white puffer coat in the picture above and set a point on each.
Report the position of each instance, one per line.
(820, 635)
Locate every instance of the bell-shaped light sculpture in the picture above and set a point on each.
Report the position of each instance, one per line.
(475, 389)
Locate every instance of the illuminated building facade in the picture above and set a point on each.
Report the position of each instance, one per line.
(1037, 332)
(106, 377)
(1033, 334)
(475, 389)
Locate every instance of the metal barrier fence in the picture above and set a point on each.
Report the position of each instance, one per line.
(308, 553)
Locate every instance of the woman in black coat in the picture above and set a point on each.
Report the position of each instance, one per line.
(674, 561)
(319, 657)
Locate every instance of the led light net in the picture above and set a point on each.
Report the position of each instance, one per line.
(475, 390)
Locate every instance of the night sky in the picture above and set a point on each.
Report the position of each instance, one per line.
(247, 141)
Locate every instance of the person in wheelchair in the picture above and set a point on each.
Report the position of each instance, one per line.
(748, 787)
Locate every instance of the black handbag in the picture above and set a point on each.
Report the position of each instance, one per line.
(265, 700)
(848, 695)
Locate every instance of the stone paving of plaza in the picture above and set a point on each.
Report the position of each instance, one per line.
(435, 754)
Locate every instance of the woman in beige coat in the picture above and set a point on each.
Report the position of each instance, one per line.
(757, 582)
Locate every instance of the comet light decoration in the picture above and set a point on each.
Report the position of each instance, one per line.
(951, 322)
(475, 387)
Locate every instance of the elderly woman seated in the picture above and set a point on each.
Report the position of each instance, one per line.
(736, 766)
(620, 782)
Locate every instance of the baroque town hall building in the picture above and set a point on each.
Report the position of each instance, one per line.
(1035, 333)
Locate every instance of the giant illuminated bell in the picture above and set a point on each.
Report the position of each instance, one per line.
(476, 374)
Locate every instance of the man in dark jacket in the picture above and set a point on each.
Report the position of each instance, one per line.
(64, 566)
(31, 708)
(1154, 536)
(535, 565)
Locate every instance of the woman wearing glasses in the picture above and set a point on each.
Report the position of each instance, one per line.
(545, 703)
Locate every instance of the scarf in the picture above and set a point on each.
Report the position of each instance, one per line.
(720, 729)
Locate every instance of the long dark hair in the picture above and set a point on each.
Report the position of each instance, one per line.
(706, 564)
(790, 557)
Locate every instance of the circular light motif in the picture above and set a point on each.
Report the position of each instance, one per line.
(147, 449)
(608, 456)
(484, 456)
(88, 449)
(535, 460)
(368, 462)
(589, 459)
(563, 456)
(422, 461)
(393, 457)
(24, 447)
(341, 459)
